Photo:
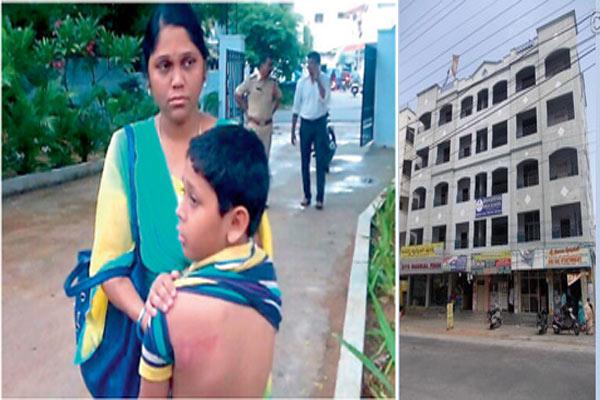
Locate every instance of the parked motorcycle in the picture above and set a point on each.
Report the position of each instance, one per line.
(495, 317)
(354, 89)
(564, 320)
(542, 322)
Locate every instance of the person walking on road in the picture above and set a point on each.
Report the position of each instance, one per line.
(311, 103)
(259, 96)
(589, 317)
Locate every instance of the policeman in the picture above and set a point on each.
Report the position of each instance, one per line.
(259, 96)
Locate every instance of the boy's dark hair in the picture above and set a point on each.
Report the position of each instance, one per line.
(233, 161)
(181, 15)
(313, 55)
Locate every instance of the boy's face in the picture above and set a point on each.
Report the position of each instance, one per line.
(202, 229)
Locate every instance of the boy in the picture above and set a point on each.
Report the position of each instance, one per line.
(221, 328)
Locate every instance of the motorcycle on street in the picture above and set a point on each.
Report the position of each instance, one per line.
(495, 317)
(542, 322)
(565, 320)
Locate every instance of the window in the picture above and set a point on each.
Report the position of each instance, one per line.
(402, 239)
(480, 185)
(482, 99)
(479, 234)
(426, 120)
(499, 134)
(560, 109)
(529, 226)
(410, 135)
(499, 231)
(482, 140)
(527, 173)
(465, 147)
(499, 92)
(445, 114)
(566, 221)
(416, 236)
(556, 62)
(443, 152)
(563, 163)
(418, 199)
(525, 78)
(441, 194)
(438, 234)
(422, 158)
(462, 236)
(466, 107)
(462, 190)
(403, 203)
(500, 181)
(406, 167)
(526, 123)
(319, 18)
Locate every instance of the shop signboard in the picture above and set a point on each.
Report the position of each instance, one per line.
(568, 257)
(527, 259)
(455, 264)
(493, 262)
(421, 259)
(488, 206)
(420, 251)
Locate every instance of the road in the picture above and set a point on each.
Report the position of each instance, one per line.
(440, 369)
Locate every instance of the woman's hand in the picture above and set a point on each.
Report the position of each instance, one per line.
(162, 293)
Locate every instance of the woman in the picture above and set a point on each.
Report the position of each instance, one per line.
(175, 61)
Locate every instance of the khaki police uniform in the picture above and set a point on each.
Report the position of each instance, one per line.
(261, 97)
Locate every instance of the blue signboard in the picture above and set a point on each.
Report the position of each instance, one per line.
(488, 206)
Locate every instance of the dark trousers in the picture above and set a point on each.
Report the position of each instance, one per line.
(313, 131)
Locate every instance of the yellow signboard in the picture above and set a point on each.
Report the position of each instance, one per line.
(450, 316)
(421, 251)
(573, 257)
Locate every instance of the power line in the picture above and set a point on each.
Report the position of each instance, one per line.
(452, 29)
(494, 48)
(433, 24)
(405, 7)
(486, 23)
(417, 20)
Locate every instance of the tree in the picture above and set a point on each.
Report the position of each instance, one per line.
(272, 29)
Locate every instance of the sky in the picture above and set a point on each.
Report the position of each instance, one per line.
(431, 31)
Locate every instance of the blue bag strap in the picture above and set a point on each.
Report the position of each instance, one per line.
(83, 258)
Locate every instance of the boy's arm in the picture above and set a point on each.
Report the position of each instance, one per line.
(154, 389)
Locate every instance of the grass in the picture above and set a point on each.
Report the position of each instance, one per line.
(379, 357)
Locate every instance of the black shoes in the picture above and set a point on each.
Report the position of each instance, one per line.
(305, 202)
(319, 205)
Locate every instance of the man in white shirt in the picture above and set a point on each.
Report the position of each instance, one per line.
(311, 103)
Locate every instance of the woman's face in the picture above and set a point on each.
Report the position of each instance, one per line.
(176, 73)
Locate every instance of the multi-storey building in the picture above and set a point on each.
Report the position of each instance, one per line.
(496, 195)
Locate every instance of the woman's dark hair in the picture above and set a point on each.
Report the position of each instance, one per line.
(177, 15)
(233, 161)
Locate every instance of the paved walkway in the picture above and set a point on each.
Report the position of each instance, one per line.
(42, 231)
(474, 328)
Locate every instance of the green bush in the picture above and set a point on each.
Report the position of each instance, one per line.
(45, 124)
(211, 104)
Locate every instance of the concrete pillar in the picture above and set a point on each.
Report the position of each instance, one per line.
(427, 290)
(450, 284)
(517, 292)
(550, 292)
(584, 291)
(408, 299)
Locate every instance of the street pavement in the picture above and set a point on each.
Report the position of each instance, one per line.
(434, 368)
(42, 230)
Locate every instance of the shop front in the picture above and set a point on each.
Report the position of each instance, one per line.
(421, 265)
(570, 275)
(492, 280)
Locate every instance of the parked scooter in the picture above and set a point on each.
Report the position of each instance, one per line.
(542, 322)
(495, 317)
(354, 88)
(565, 320)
